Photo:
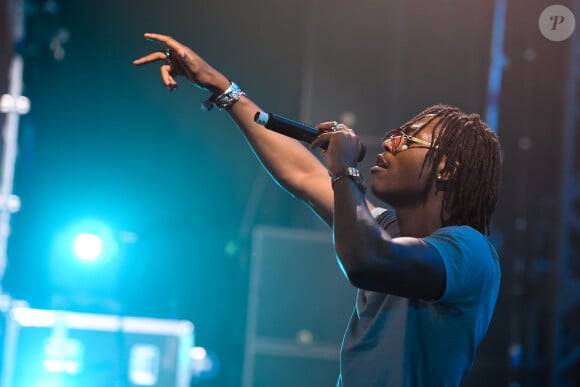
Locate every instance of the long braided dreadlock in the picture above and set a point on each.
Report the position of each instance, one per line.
(472, 162)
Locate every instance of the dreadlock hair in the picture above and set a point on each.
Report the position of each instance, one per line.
(470, 150)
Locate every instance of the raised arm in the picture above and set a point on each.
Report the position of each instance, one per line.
(370, 258)
(288, 161)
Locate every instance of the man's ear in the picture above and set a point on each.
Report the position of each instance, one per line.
(445, 174)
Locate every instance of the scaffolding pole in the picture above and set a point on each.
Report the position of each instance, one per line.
(13, 104)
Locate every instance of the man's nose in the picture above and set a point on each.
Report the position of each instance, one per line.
(389, 146)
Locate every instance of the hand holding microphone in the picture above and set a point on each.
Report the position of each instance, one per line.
(295, 129)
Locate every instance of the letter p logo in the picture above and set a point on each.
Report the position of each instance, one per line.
(557, 23)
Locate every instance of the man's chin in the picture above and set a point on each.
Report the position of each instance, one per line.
(380, 195)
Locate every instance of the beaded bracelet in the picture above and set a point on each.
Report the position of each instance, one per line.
(225, 100)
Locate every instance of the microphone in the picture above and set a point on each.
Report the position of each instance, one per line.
(295, 129)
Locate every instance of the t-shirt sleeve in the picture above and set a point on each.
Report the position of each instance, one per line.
(387, 220)
(469, 259)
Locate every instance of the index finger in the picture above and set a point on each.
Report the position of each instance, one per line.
(165, 39)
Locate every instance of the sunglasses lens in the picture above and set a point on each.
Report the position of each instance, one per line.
(395, 141)
(396, 137)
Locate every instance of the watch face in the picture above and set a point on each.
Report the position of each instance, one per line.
(352, 172)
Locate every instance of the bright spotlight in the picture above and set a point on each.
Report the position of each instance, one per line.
(85, 255)
(204, 364)
(88, 247)
(197, 353)
(88, 241)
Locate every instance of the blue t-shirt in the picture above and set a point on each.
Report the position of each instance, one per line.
(396, 341)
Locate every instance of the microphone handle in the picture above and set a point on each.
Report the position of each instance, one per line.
(295, 129)
(286, 126)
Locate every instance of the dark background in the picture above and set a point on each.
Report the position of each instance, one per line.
(105, 140)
